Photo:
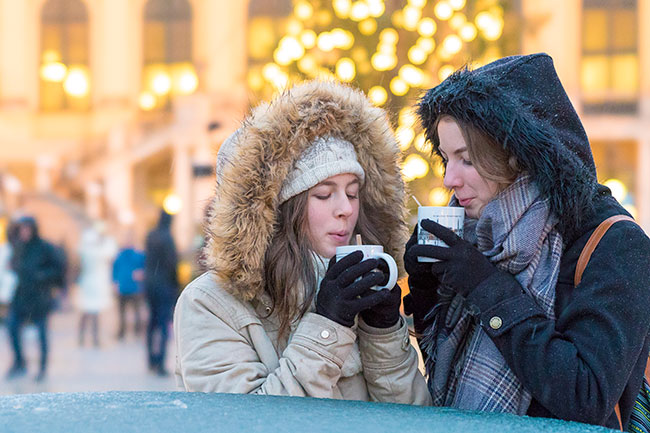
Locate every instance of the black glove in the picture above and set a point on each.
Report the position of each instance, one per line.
(386, 313)
(462, 267)
(340, 297)
(422, 282)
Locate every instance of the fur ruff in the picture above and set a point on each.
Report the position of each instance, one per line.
(245, 208)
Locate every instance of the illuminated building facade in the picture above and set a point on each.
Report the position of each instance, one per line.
(109, 109)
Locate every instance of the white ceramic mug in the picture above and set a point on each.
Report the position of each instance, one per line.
(449, 216)
(372, 252)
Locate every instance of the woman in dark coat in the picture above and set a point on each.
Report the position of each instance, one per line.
(37, 269)
(504, 329)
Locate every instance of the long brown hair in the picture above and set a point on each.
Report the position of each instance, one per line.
(491, 160)
(290, 276)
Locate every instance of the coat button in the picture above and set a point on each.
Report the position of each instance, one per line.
(325, 334)
(496, 322)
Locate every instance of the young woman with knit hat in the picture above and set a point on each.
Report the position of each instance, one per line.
(303, 175)
(506, 326)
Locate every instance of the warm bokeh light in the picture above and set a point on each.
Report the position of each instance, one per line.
(308, 38)
(407, 117)
(184, 79)
(360, 11)
(417, 55)
(452, 44)
(398, 86)
(468, 32)
(412, 16)
(445, 71)
(161, 83)
(376, 7)
(421, 144)
(368, 26)
(457, 21)
(76, 83)
(303, 10)
(53, 72)
(172, 204)
(443, 10)
(413, 76)
(325, 42)
(378, 95)
(427, 27)
(342, 8)
(147, 101)
(456, 4)
(383, 62)
(618, 188)
(427, 44)
(345, 69)
(389, 36)
(414, 167)
(405, 136)
(439, 196)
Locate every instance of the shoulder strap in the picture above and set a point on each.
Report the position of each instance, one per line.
(589, 248)
(585, 255)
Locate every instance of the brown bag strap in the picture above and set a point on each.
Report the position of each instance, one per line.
(585, 255)
(589, 248)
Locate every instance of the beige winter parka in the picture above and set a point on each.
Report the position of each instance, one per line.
(226, 340)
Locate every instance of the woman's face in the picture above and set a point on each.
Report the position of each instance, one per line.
(332, 212)
(472, 191)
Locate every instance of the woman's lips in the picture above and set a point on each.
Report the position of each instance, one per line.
(464, 202)
(341, 237)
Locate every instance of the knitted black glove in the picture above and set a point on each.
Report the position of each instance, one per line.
(340, 297)
(386, 313)
(422, 284)
(462, 267)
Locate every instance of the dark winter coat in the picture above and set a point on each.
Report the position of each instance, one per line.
(161, 260)
(577, 366)
(592, 355)
(37, 269)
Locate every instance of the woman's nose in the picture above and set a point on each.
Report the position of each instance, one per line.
(452, 179)
(344, 207)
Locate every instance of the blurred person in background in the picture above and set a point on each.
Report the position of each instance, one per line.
(8, 239)
(96, 252)
(37, 269)
(128, 273)
(161, 290)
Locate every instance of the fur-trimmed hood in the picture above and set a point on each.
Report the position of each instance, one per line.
(253, 163)
(520, 102)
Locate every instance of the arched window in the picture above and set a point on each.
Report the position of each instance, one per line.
(168, 68)
(64, 72)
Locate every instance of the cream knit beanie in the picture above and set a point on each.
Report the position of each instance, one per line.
(326, 157)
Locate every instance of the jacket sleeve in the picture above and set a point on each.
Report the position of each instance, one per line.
(216, 354)
(390, 365)
(575, 365)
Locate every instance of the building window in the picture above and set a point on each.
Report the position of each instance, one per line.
(617, 169)
(64, 72)
(168, 68)
(610, 60)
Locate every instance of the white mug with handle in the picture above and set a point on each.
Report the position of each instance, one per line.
(372, 252)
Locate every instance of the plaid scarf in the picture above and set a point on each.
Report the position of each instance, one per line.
(516, 231)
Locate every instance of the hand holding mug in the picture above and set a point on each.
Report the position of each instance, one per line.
(346, 288)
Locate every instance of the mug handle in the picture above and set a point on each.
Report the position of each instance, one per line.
(392, 271)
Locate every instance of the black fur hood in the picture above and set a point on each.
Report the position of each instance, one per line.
(520, 102)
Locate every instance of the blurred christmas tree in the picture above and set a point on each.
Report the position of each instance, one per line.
(391, 49)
